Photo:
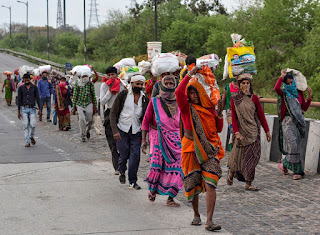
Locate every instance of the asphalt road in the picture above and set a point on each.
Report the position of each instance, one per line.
(63, 186)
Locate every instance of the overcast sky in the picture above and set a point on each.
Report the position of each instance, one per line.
(74, 12)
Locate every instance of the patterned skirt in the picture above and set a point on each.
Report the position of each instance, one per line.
(292, 143)
(244, 159)
(164, 178)
(196, 175)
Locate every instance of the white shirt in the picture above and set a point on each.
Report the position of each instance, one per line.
(107, 97)
(131, 113)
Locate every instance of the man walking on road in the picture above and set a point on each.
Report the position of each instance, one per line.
(84, 100)
(108, 93)
(45, 92)
(126, 117)
(28, 96)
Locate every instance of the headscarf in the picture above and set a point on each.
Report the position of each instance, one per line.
(167, 96)
(83, 81)
(138, 77)
(291, 90)
(248, 77)
(205, 101)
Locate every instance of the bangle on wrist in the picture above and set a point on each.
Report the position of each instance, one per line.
(188, 74)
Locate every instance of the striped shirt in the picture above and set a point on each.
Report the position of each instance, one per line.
(83, 96)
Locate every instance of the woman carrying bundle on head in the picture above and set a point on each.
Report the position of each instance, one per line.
(201, 146)
(292, 103)
(8, 87)
(247, 118)
(162, 121)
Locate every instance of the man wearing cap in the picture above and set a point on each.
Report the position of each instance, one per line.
(84, 100)
(28, 96)
(45, 91)
(126, 117)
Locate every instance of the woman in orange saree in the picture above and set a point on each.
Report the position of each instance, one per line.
(201, 146)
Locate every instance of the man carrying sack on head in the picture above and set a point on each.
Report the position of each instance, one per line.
(84, 100)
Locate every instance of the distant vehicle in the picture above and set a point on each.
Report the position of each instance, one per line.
(67, 68)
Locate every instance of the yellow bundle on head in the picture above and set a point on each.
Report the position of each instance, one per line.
(241, 60)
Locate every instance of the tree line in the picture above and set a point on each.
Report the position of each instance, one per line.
(285, 33)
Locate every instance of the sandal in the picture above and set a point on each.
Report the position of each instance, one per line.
(297, 177)
(172, 203)
(151, 196)
(282, 169)
(251, 188)
(212, 227)
(196, 221)
(230, 178)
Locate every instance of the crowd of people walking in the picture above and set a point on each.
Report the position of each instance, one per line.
(178, 119)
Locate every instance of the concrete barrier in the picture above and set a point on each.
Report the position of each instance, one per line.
(310, 145)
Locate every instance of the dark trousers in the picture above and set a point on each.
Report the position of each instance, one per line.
(46, 100)
(129, 148)
(111, 141)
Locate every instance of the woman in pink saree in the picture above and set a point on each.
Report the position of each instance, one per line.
(162, 121)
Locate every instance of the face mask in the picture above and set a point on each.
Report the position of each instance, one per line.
(63, 83)
(44, 78)
(86, 79)
(137, 89)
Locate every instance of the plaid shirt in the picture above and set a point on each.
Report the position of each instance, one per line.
(82, 96)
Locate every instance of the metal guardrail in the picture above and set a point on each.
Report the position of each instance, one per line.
(39, 61)
(36, 59)
(274, 101)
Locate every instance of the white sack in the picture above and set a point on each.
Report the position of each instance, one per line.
(164, 63)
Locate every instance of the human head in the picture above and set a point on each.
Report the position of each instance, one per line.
(44, 74)
(8, 76)
(244, 81)
(193, 95)
(288, 79)
(153, 78)
(164, 74)
(137, 82)
(191, 60)
(111, 72)
(169, 82)
(26, 79)
(63, 81)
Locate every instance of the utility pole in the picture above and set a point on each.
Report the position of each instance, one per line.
(48, 43)
(156, 19)
(27, 5)
(64, 14)
(84, 31)
(10, 23)
(93, 19)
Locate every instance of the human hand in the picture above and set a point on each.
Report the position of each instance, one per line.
(194, 70)
(144, 146)
(117, 136)
(39, 112)
(239, 136)
(19, 114)
(283, 73)
(268, 136)
(309, 91)
(2, 90)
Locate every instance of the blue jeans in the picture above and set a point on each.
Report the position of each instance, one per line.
(29, 122)
(46, 100)
(129, 148)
